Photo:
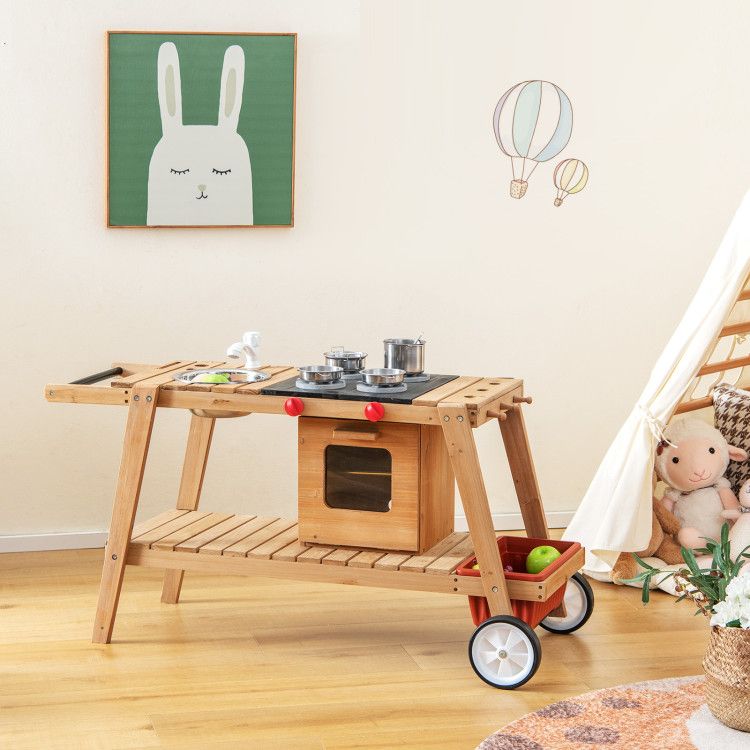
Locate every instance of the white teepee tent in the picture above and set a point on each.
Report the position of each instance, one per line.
(615, 514)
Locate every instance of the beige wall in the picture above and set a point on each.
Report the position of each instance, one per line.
(403, 224)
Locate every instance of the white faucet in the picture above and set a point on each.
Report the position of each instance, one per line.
(250, 347)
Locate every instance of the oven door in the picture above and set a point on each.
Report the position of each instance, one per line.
(359, 483)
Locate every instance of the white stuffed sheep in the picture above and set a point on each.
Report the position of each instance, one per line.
(692, 460)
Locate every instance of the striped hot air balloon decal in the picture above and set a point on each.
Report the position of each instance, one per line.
(533, 122)
(570, 176)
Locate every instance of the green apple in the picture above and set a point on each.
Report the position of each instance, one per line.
(540, 557)
(212, 377)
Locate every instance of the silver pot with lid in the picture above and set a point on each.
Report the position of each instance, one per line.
(405, 354)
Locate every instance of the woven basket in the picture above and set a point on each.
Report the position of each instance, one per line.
(727, 665)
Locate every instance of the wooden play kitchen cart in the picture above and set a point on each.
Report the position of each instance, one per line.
(403, 456)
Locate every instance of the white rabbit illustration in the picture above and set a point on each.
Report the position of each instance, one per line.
(200, 174)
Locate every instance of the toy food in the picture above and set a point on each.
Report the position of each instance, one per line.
(475, 566)
(213, 377)
(540, 557)
(692, 460)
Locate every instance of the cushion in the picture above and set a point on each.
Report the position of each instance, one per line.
(732, 419)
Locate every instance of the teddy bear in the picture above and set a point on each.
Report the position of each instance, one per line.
(662, 544)
(691, 460)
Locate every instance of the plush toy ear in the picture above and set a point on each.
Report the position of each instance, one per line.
(737, 454)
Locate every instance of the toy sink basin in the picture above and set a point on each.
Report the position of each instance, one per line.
(234, 375)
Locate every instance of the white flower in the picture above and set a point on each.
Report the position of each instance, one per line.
(736, 604)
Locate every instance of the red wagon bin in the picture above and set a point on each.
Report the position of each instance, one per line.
(504, 633)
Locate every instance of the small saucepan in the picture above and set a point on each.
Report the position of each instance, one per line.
(405, 354)
(351, 362)
(320, 373)
(383, 376)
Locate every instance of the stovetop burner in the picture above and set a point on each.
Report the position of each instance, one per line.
(423, 377)
(350, 391)
(381, 389)
(305, 386)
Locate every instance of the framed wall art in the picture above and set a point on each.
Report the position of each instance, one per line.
(200, 129)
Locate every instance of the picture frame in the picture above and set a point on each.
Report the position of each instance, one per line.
(200, 129)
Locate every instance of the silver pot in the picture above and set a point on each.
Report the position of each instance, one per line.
(405, 354)
(320, 373)
(383, 376)
(351, 362)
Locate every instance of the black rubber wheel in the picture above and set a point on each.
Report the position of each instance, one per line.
(579, 602)
(505, 652)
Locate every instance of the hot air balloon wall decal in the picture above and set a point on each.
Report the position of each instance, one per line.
(533, 122)
(570, 177)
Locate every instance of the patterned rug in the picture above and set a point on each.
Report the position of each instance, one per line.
(656, 715)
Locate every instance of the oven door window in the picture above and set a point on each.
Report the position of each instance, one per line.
(358, 478)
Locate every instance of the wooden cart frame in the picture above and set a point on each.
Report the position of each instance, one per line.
(187, 539)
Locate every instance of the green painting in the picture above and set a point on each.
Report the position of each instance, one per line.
(201, 129)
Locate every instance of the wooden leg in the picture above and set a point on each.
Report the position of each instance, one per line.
(517, 448)
(193, 471)
(465, 461)
(141, 412)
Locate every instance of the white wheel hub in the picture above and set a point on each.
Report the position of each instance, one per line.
(503, 653)
(575, 608)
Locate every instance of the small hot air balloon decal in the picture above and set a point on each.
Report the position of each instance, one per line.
(533, 122)
(570, 176)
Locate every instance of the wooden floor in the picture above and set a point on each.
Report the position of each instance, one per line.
(264, 665)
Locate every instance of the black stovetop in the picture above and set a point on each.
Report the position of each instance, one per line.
(350, 393)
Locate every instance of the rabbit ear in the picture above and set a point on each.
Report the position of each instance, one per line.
(170, 88)
(232, 82)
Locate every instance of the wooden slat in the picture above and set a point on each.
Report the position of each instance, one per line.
(241, 548)
(64, 393)
(152, 523)
(221, 565)
(272, 370)
(194, 543)
(340, 556)
(177, 537)
(166, 529)
(391, 561)
(724, 365)
(734, 329)
(366, 559)
(315, 554)
(694, 405)
(420, 562)
(275, 544)
(744, 295)
(447, 563)
(218, 545)
(483, 392)
(291, 552)
(148, 375)
(434, 397)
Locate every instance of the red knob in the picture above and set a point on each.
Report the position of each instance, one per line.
(374, 411)
(294, 406)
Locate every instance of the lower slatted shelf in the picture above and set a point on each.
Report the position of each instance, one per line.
(268, 546)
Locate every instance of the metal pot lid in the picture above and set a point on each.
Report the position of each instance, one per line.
(405, 342)
(221, 375)
(343, 354)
